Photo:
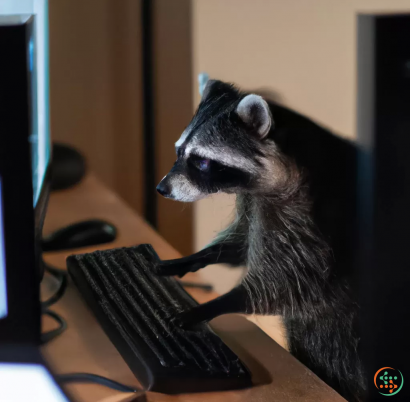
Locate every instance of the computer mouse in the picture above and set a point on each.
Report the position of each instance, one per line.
(80, 234)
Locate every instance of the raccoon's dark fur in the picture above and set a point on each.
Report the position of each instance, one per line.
(293, 230)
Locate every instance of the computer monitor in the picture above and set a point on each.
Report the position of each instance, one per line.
(3, 284)
(384, 198)
(40, 137)
(24, 178)
(24, 162)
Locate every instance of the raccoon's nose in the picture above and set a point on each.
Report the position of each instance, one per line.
(163, 189)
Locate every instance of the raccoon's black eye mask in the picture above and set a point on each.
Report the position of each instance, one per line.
(216, 175)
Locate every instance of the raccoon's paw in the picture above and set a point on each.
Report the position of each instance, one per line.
(171, 268)
(186, 320)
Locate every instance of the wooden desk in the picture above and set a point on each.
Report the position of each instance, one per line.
(84, 347)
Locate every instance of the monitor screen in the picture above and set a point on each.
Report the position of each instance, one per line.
(38, 68)
(40, 139)
(3, 290)
(41, 126)
(28, 382)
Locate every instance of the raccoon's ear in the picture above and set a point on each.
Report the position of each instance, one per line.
(208, 86)
(255, 113)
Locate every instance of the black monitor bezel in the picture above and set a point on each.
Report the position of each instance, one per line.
(22, 223)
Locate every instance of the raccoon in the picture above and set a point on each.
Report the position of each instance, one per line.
(295, 214)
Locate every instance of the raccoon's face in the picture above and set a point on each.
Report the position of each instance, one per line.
(224, 148)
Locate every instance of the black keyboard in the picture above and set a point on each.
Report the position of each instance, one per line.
(135, 308)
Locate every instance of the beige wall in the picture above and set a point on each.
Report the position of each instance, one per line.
(173, 109)
(303, 50)
(96, 94)
(95, 88)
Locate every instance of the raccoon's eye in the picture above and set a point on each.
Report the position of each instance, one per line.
(199, 163)
(204, 164)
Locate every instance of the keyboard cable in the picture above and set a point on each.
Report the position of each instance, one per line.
(46, 337)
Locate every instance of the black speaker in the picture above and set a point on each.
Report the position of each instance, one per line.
(68, 167)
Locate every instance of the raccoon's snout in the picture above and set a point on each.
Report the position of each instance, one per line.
(176, 186)
(164, 189)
